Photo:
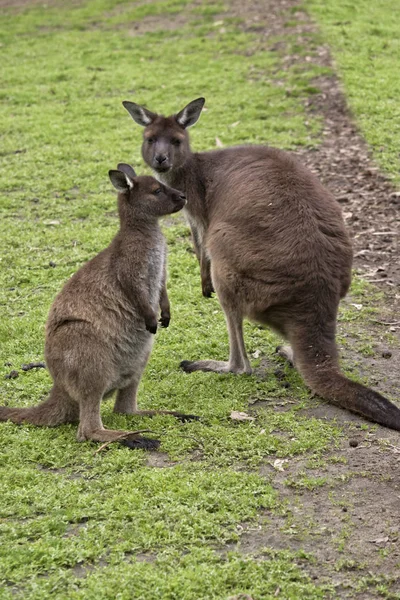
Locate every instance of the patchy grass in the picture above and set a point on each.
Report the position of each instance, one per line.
(365, 42)
(82, 525)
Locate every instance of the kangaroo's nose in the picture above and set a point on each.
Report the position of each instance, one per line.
(161, 158)
(182, 197)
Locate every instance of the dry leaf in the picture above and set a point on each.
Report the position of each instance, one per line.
(278, 463)
(357, 306)
(241, 416)
(218, 143)
(256, 354)
(380, 541)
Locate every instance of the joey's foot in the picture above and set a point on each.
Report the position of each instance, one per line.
(102, 435)
(140, 442)
(286, 352)
(215, 366)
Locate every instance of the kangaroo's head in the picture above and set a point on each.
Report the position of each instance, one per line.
(165, 139)
(143, 198)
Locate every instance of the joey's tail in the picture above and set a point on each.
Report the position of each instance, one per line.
(56, 410)
(316, 358)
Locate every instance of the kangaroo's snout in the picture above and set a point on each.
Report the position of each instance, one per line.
(161, 158)
(161, 163)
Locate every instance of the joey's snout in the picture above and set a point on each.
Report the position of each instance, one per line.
(180, 201)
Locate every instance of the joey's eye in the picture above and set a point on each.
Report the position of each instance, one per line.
(156, 192)
(176, 142)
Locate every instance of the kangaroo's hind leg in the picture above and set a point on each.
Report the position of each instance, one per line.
(238, 360)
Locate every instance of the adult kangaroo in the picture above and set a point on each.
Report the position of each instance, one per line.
(272, 241)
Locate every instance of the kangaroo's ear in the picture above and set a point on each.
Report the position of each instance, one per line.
(141, 115)
(127, 169)
(190, 114)
(121, 181)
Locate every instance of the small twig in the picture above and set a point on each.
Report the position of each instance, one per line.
(382, 280)
(386, 322)
(122, 437)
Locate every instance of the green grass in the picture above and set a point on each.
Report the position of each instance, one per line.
(364, 38)
(82, 525)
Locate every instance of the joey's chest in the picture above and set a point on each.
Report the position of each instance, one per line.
(155, 268)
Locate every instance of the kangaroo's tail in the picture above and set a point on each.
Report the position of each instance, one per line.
(315, 355)
(56, 410)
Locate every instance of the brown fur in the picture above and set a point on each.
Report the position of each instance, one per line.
(100, 328)
(272, 241)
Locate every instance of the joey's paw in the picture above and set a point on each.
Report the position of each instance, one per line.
(142, 443)
(151, 325)
(165, 319)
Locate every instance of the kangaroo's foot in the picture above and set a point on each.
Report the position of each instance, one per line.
(216, 366)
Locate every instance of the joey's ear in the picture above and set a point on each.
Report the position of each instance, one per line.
(127, 169)
(190, 114)
(141, 115)
(121, 181)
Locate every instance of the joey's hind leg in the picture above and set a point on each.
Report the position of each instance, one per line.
(238, 360)
(91, 426)
(90, 423)
(127, 405)
(126, 402)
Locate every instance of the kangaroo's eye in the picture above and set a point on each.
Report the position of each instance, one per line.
(156, 192)
(176, 142)
(151, 140)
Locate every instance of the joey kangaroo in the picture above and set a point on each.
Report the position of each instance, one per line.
(272, 241)
(99, 332)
